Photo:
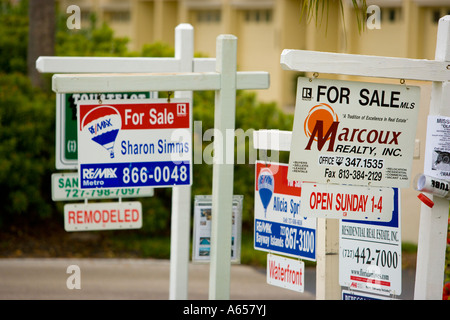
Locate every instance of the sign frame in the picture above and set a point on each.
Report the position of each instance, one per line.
(201, 235)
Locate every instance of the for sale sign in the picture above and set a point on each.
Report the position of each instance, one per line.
(353, 133)
(142, 143)
(370, 254)
(279, 227)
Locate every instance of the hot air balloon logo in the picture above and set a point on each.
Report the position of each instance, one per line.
(102, 124)
(266, 185)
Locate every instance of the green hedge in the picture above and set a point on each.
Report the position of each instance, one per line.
(27, 134)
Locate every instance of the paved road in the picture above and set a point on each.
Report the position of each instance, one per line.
(45, 279)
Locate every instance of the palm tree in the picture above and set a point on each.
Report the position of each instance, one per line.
(41, 36)
(316, 8)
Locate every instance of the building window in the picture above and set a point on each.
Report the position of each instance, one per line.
(264, 16)
(438, 13)
(208, 16)
(119, 16)
(391, 15)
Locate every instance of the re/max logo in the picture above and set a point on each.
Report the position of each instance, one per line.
(99, 173)
(100, 125)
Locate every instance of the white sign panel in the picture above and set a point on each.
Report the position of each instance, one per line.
(65, 187)
(347, 202)
(438, 146)
(202, 229)
(103, 216)
(370, 254)
(141, 143)
(353, 133)
(285, 273)
(279, 227)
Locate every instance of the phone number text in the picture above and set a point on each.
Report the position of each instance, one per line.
(378, 257)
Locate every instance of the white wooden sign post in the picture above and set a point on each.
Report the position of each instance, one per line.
(434, 221)
(225, 81)
(183, 61)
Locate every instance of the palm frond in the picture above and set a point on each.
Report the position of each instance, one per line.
(316, 9)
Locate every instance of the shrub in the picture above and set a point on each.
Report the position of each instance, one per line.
(26, 147)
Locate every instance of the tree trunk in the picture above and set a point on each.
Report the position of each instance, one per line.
(41, 36)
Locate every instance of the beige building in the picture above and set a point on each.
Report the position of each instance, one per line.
(265, 27)
(405, 28)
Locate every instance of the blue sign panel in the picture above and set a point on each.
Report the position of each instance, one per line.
(279, 228)
(285, 239)
(138, 174)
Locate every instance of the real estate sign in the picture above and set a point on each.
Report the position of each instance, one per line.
(279, 227)
(370, 254)
(356, 133)
(141, 143)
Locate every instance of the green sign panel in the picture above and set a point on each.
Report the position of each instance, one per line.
(66, 122)
(66, 187)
